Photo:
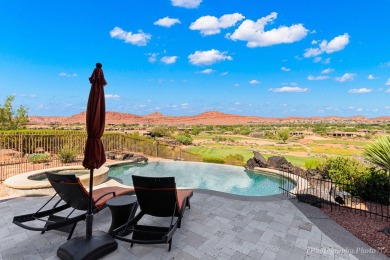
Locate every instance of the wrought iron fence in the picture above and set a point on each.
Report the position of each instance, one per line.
(17, 149)
(367, 198)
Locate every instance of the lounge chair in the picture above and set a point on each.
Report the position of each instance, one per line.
(157, 197)
(73, 196)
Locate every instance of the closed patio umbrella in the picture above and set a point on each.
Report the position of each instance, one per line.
(92, 246)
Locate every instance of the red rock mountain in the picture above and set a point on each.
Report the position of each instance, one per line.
(206, 118)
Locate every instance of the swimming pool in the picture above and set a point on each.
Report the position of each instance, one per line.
(216, 177)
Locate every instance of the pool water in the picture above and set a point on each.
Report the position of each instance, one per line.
(216, 177)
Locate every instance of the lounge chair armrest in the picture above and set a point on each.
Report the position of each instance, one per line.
(105, 194)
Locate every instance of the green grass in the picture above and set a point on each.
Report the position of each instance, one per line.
(223, 152)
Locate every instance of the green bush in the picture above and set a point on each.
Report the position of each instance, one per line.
(185, 139)
(312, 163)
(346, 171)
(213, 160)
(67, 155)
(159, 131)
(38, 157)
(235, 159)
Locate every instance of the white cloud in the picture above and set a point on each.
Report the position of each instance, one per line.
(346, 77)
(207, 71)
(285, 69)
(224, 73)
(327, 61)
(186, 3)
(387, 82)
(139, 39)
(236, 85)
(169, 59)
(371, 76)
(152, 57)
(288, 89)
(64, 74)
(322, 77)
(208, 57)
(327, 71)
(359, 90)
(388, 90)
(209, 25)
(167, 22)
(337, 44)
(255, 35)
(254, 81)
(112, 96)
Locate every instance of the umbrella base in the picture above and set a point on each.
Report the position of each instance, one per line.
(87, 248)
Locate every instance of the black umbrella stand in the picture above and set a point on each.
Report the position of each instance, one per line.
(88, 247)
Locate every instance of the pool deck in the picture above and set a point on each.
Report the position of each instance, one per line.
(218, 226)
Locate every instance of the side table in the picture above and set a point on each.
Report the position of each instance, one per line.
(122, 209)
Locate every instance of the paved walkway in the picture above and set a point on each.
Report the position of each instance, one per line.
(216, 227)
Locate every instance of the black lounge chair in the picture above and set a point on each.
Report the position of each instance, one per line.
(157, 197)
(73, 196)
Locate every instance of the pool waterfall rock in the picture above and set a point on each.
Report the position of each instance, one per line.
(274, 162)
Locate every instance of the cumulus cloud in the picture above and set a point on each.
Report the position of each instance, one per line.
(167, 22)
(152, 57)
(285, 69)
(169, 59)
(321, 77)
(209, 25)
(207, 71)
(327, 71)
(186, 3)
(336, 44)
(224, 73)
(359, 90)
(346, 77)
(289, 89)
(64, 74)
(139, 39)
(388, 90)
(371, 76)
(112, 96)
(255, 35)
(208, 57)
(254, 82)
(387, 82)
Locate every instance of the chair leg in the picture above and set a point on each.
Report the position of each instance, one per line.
(170, 245)
(43, 232)
(131, 245)
(71, 231)
(188, 203)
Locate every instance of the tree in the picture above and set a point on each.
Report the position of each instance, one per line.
(283, 134)
(11, 120)
(378, 153)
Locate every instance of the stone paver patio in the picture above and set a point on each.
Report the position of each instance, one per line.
(216, 227)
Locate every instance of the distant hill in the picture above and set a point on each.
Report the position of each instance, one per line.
(206, 118)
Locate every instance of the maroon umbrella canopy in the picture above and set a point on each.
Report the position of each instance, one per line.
(94, 156)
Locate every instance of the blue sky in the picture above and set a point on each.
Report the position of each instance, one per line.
(269, 58)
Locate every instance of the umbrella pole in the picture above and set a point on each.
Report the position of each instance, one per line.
(89, 217)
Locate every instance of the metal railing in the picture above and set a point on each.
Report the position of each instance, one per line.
(17, 148)
(369, 199)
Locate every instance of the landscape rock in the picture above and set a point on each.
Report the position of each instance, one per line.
(278, 162)
(260, 160)
(126, 156)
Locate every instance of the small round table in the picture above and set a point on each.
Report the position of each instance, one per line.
(122, 209)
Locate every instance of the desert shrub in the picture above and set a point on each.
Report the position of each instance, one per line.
(67, 155)
(377, 187)
(38, 157)
(312, 163)
(213, 160)
(159, 131)
(346, 171)
(283, 134)
(235, 159)
(185, 139)
(218, 138)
